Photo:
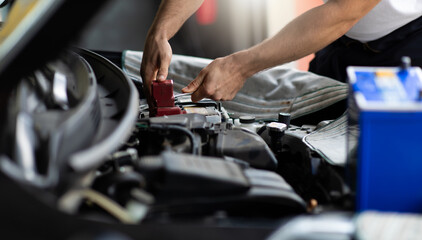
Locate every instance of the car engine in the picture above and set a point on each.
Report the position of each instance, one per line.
(81, 143)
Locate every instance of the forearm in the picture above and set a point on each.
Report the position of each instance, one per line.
(306, 34)
(171, 15)
(157, 51)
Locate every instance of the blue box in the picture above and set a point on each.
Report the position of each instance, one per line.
(385, 138)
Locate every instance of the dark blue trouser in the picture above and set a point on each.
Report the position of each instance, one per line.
(333, 60)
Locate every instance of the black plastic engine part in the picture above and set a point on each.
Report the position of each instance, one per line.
(186, 185)
(308, 174)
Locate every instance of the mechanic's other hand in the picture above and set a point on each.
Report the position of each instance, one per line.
(220, 80)
(155, 62)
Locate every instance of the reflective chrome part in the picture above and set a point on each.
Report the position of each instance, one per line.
(24, 150)
(42, 82)
(119, 104)
(59, 90)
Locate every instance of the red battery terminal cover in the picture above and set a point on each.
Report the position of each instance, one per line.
(162, 93)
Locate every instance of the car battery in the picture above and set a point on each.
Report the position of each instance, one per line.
(385, 137)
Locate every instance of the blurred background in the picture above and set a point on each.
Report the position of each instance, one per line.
(218, 28)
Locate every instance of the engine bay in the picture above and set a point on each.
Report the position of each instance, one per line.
(83, 143)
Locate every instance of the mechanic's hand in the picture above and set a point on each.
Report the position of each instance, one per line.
(220, 80)
(155, 62)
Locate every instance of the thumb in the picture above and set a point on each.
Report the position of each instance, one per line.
(162, 73)
(194, 85)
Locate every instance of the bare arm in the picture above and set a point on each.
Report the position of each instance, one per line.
(157, 51)
(306, 34)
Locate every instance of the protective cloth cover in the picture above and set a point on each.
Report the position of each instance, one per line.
(331, 141)
(264, 95)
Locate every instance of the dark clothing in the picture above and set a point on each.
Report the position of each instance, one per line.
(333, 60)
